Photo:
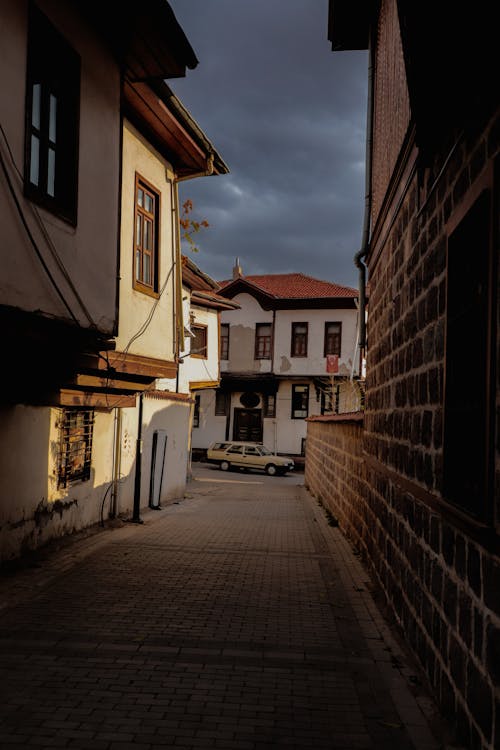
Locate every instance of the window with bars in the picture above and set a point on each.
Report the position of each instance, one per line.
(52, 119)
(224, 341)
(76, 431)
(299, 340)
(300, 401)
(199, 341)
(221, 403)
(196, 411)
(333, 337)
(146, 247)
(269, 400)
(262, 341)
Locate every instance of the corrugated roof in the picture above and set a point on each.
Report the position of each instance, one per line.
(295, 286)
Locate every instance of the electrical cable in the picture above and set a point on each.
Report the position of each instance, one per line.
(32, 239)
(48, 238)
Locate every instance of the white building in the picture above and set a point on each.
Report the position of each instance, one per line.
(274, 355)
(199, 369)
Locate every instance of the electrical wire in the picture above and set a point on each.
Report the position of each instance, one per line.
(49, 241)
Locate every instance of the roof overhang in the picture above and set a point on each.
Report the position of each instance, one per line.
(349, 24)
(155, 110)
(266, 384)
(270, 302)
(149, 43)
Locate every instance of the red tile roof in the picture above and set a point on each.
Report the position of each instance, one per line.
(295, 286)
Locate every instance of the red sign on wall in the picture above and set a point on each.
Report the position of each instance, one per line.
(332, 363)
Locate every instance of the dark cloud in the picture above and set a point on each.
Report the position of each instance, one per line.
(288, 117)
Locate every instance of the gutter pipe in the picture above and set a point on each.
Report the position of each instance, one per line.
(360, 256)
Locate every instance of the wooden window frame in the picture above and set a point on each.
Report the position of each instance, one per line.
(328, 337)
(146, 216)
(224, 341)
(266, 339)
(296, 337)
(76, 428)
(221, 410)
(269, 405)
(52, 80)
(202, 353)
(294, 391)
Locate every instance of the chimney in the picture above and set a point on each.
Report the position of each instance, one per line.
(237, 272)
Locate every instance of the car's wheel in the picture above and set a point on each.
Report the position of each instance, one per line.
(271, 470)
(224, 465)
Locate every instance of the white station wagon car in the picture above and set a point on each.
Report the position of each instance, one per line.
(240, 455)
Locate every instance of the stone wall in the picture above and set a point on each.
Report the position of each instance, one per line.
(441, 585)
(438, 565)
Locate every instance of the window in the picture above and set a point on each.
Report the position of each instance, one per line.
(333, 336)
(52, 119)
(146, 248)
(221, 403)
(300, 401)
(326, 400)
(75, 456)
(269, 405)
(199, 341)
(299, 339)
(196, 411)
(224, 341)
(262, 341)
(467, 432)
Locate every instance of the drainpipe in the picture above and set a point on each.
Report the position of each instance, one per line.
(365, 241)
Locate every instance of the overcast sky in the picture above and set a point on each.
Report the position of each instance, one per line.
(288, 116)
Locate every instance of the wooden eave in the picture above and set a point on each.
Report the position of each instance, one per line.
(349, 24)
(213, 301)
(198, 385)
(145, 110)
(159, 115)
(149, 44)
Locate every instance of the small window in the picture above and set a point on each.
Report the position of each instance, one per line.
(199, 342)
(224, 341)
(333, 336)
(146, 247)
(196, 411)
(52, 119)
(221, 403)
(262, 341)
(236, 449)
(300, 401)
(75, 456)
(326, 400)
(269, 405)
(299, 339)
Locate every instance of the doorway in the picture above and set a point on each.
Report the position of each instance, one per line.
(248, 425)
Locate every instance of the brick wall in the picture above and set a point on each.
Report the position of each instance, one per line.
(439, 569)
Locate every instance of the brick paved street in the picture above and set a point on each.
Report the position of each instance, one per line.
(236, 618)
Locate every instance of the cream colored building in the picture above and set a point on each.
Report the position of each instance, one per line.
(92, 145)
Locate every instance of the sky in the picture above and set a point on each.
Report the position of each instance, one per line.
(288, 117)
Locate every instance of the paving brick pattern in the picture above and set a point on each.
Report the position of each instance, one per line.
(235, 619)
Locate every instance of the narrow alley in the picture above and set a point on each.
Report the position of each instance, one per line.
(235, 618)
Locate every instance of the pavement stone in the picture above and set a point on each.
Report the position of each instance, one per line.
(234, 618)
